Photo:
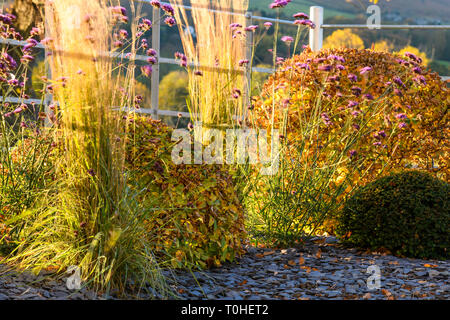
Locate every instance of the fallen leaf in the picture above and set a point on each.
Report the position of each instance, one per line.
(259, 255)
(286, 266)
(367, 296)
(301, 260)
(291, 262)
(387, 293)
(268, 253)
(243, 282)
(427, 265)
(319, 254)
(393, 262)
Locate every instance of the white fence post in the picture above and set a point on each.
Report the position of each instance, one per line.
(156, 44)
(316, 34)
(248, 67)
(48, 72)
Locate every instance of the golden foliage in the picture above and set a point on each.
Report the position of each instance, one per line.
(406, 123)
(197, 212)
(343, 39)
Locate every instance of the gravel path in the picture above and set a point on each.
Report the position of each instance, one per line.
(320, 269)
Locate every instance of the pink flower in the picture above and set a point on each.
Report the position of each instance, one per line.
(168, 9)
(147, 70)
(155, 3)
(251, 28)
(267, 25)
(301, 15)
(151, 52)
(287, 39)
(170, 21)
(243, 62)
(365, 70)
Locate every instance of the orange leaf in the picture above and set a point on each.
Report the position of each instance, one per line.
(387, 293)
(301, 260)
(268, 253)
(259, 255)
(286, 266)
(291, 262)
(243, 282)
(427, 265)
(367, 296)
(319, 254)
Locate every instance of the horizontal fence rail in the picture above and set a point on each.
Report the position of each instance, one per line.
(315, 41)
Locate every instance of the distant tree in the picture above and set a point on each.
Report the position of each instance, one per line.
(173, 91)
(383, 45)
(343, 38)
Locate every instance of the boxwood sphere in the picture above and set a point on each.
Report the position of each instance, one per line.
(407, 213)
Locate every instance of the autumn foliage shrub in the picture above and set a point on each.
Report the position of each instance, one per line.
(407, 213)
(397, 109)
(196, 208)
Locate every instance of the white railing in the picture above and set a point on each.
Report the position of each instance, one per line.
(315, 42)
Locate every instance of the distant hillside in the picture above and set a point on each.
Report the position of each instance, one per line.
(416, 11)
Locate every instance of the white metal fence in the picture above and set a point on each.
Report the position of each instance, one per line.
(315, 42)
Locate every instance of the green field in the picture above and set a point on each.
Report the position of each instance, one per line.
(297, 6)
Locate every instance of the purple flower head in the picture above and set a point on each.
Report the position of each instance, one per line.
(251, 28)
(334, 78)
(170, 21)
(123, 33)
(151, 52)
(378, 143)
(352, 104)
(420, 79)
(243, 62)
(352, 77)
(355, 113)
(326, 119)
(356, 91)
(301, 15)
(340, 67)
(353, 153)
(337, 58)
(234, 26)
(26, 58)
(401, 116)
(356, 126)
(146, 24)
(325, 67)
(155, 3)
(402, 125)
(413, 57)
(398, 92)
(279, 4)
(147, 70)
(287, 39)
(118, 44)
(35, 31)
(319, 60)
(151, 60)
(198, 73)
(399, 81)
(119, 10)
(382, 133)
(365, 70)
(303, 66)
(368, 96)
(267, 25)
(417, 70)
(168, 9)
